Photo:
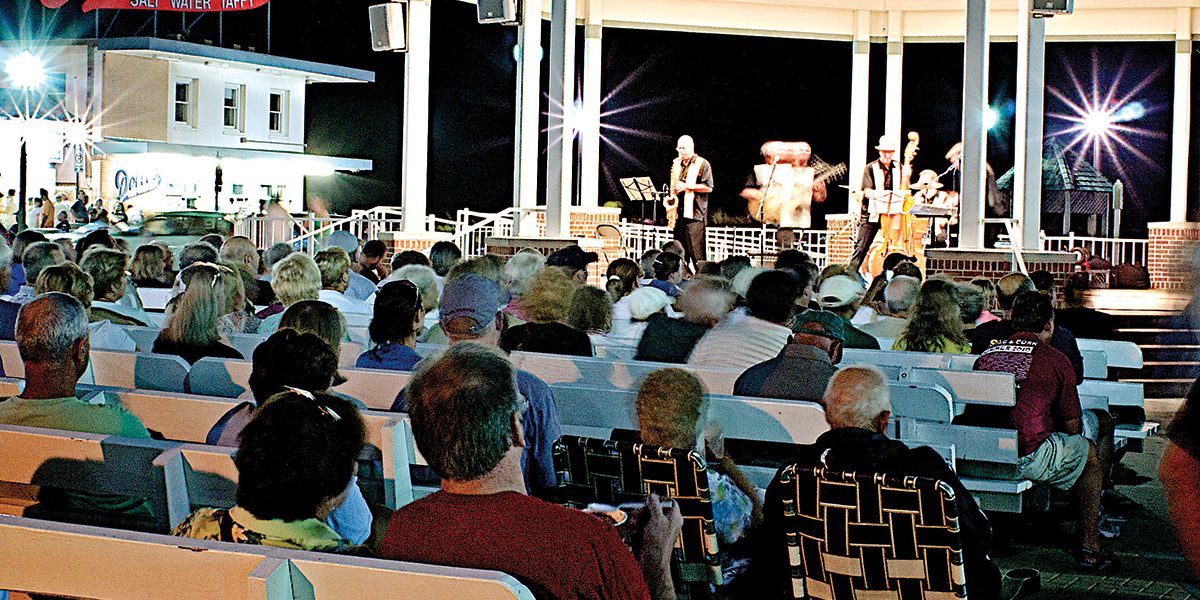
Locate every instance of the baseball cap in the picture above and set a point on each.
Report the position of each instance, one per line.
(646, 301)
(572, 257)
(839, 290)
(822, 323)
(470, 296)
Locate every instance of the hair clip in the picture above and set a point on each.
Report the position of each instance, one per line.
(329, 412)
(614, 277)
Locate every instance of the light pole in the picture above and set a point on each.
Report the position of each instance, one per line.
(26, 72)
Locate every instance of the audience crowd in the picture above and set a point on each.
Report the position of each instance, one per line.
(487, 429)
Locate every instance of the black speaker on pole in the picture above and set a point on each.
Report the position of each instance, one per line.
(503, 12)
(389, 30)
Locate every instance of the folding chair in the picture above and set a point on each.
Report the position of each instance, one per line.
(855, 535)
(594, 470)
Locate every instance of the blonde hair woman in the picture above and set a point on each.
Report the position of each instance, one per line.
(517, 277)
(68, 278)
(192, 330)
(107, 268)
(546, 304)
(237, 316)
(148, 267)
(293, 279)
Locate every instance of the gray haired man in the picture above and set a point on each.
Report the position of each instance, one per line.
(52, 337)
(858, 408)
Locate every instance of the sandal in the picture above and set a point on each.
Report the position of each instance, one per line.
(1096, 561)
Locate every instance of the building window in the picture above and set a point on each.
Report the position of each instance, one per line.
(277, 112)
(185, 102)
(233, 101)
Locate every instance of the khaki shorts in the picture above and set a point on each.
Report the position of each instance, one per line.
(1059, 461)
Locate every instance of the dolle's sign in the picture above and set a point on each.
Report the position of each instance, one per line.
(165, 5)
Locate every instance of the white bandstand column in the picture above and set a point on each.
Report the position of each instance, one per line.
(560, 150)
(1181, 125)
(415, 166)
(589, 121)
(974, 157)
(529, 93)
(860, 92)
(895, 75)
(1031, 91)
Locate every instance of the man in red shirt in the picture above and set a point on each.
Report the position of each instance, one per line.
(1048, 420)
(467, 421)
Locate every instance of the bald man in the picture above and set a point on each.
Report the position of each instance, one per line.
(691, 183)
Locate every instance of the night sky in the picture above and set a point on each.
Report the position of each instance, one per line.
(731, 93)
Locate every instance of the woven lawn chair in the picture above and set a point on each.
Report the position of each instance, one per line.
(594, 470)
(853, 536)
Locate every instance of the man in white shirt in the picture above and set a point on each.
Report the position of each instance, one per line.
(760, 335)
(898, 297)
(334, 264)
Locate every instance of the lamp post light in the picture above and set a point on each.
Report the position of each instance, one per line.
(26, 72)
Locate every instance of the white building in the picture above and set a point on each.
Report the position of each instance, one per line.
(162, 116)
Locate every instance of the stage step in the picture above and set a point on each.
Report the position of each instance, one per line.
(1170, 369)
(1164, 388)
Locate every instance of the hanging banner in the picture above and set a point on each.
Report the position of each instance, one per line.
(195, 6)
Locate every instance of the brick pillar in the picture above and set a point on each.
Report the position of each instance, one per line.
(841, 238)
(1170, 255)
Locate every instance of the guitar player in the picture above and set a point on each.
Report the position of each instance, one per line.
(794, 187)
(687, 206)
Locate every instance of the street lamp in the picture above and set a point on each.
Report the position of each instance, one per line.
(27, 72)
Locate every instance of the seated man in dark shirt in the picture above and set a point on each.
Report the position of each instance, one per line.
(804, 366)
(1075, 315)
(1049, 421)
(1007, 290)
(857, 408)
(704, 302)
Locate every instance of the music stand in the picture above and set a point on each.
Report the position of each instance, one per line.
(641, 189)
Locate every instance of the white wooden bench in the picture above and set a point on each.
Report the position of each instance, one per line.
(93, 562)
(85, 462)
(188, 418)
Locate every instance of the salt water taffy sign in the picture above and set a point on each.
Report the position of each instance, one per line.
(164, 5)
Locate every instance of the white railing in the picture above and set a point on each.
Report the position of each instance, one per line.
(471, 229)
(723, 242)
(307, 231)
(1115, 250)
(637, 238)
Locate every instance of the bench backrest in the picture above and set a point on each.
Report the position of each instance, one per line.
(115, 368)
(85, 462)
(1095, 363)
(755, 419)
(188, 418)
(964, 387)
(1119, 354)
(106, 563)
(230, 378)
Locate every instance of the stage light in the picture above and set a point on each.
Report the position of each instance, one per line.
(1098, 123)
(25, 70)
(990, 117)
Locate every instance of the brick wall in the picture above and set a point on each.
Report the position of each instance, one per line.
(963, 264)
(583, 227)
(1170, 255)
(399, 242)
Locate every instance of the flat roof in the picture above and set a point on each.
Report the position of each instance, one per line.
(203, 53)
